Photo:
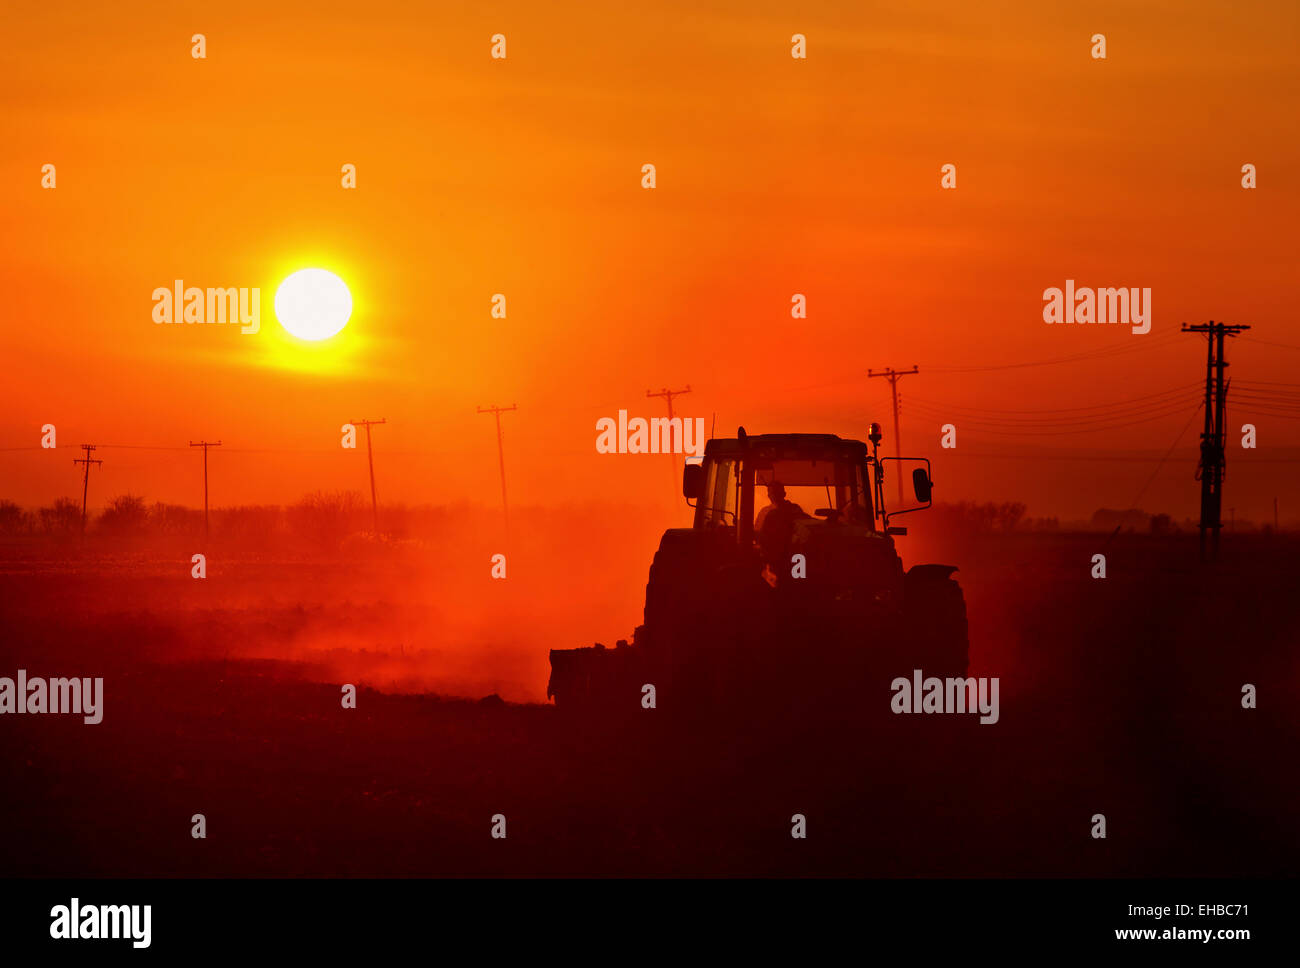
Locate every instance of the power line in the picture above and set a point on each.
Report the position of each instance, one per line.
(138, 447)
(1177, 440)
(1269, 342)
(1114, 404)
(1268, 392)
(1277, 403)
(1017, 430)
(1142, 491)
(1099, 416)
(1282, 414)
(1163, 339)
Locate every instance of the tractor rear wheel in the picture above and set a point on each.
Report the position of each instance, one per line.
(935, 627)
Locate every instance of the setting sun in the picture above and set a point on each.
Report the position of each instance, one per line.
(313, 304)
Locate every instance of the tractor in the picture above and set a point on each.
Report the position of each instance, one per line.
(800, 604)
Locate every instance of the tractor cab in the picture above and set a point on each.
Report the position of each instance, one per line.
(812, 478)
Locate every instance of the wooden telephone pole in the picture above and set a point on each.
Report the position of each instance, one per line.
(1213, 464)
(501, 458)
(672, 459)
(370, 457)
(893, 376)
(205, 445)
(85, 483)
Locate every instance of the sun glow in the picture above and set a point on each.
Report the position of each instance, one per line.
(313, 304)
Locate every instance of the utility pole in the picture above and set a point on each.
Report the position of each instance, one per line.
(501, 458)
(1213, 465)
(672, 459)
(205, 445)
(370, 457)
(893, 375)
(85, 483)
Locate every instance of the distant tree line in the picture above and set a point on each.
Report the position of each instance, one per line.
(319, 518)
(971, 517)
(327, 518)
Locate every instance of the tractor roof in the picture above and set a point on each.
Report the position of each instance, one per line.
(793, 446)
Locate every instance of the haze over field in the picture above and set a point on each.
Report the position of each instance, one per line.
(522, 176)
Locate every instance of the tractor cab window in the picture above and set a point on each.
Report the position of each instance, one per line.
(828, 490)
(721, 501)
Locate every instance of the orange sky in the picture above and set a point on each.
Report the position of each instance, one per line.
(522, 176)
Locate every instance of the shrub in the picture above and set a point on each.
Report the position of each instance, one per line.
(125, 515)
(62, 518)
(174, 519)
(325, 519)
(13, 519)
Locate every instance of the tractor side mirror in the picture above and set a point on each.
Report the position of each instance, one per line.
(693, 481)
(922, 485)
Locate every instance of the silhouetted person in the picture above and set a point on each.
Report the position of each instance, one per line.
(854, 513)
(774, 526)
